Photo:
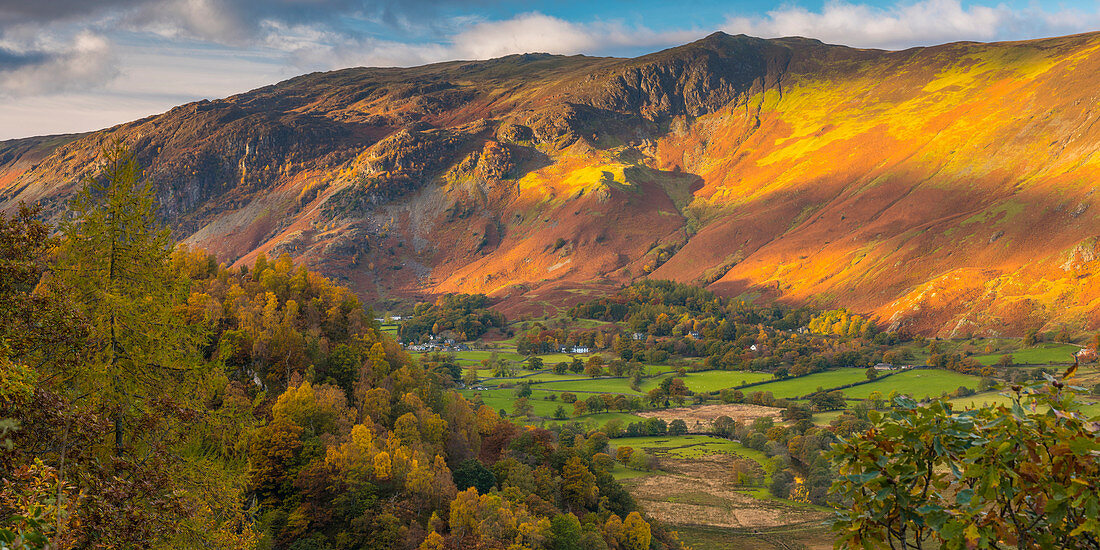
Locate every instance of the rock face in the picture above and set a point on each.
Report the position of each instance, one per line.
(946, 189)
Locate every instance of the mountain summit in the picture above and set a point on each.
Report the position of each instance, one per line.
(949, 189)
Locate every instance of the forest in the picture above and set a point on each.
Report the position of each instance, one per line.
(152, 397)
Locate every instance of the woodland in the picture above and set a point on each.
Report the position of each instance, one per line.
(151, 397)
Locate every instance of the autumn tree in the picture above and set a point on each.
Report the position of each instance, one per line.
(115, 258)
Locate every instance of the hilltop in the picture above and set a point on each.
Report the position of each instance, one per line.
(948, 190)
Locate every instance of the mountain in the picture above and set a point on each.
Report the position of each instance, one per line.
(949, 190)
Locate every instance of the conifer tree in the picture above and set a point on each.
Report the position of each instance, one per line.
(115, 258)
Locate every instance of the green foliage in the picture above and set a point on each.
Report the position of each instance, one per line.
(466, 315)
(115, 259)
(472, 473)
(1010, 475)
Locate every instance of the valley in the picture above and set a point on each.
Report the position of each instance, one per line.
(711, 451)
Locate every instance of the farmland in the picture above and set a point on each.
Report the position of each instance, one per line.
(918, 383)
(804, 385)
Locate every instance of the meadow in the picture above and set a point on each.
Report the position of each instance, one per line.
(917, 383)
(714, 380)
(1042, 354)
(805, 385)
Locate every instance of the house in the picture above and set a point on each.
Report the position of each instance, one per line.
(580, 349)
(884, 366)
(752, 347)
(637, 336)
(695, 334)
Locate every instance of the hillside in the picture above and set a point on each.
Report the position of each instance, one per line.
(945, 189)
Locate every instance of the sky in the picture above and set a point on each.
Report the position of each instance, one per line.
(80, 65)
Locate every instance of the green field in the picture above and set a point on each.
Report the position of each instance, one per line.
(918, 384)
(596, 420)
(986, 399)
(687, 446)
(824, 418)
(622, 472)
(588, 385)
(552, 359)
(476, 356)
(1089, 406)
(1042, 354)
(390, 329)
(805, 385)
(505, 399)
(714, 380)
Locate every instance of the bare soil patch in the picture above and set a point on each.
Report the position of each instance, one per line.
(700, 418)
(699, 499)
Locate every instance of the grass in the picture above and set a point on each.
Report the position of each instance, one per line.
(988, 399)
(824, 418)
(918, 384)
(1043, 354)
(596, 420)
(991, 399)
(476, 356)
(588, 385)
(622, 472)
(805, 385)
(688, 446)
(506, 399)
(723, 538)
(714, 380)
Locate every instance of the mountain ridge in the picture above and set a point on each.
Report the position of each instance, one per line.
(945, 189)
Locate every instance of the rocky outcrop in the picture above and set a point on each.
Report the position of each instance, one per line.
(944, 189)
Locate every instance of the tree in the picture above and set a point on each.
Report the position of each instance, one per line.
(578, 487)
(470, 378)
(995, 477)
(871, 373)
(827, 401)
(523, 389)
(636, 533)
(576, 366)
(534, 363)
(677, 427)
(594, 367)
(522, 407)
(472, 473)
(115, 257)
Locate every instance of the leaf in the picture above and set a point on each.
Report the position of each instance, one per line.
(1071, 371)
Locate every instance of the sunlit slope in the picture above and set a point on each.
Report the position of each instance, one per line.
(946, 189)
(950, 188)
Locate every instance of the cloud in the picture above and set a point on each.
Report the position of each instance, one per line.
(535, 32)
(50, 66)
(480, 39)
(223, 21)
(904, 25)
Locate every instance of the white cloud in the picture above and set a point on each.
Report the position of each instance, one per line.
(479, 39)
(50, 65)
(164, 52)
(904, 25)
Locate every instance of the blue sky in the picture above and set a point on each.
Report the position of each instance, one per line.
(78, 65)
